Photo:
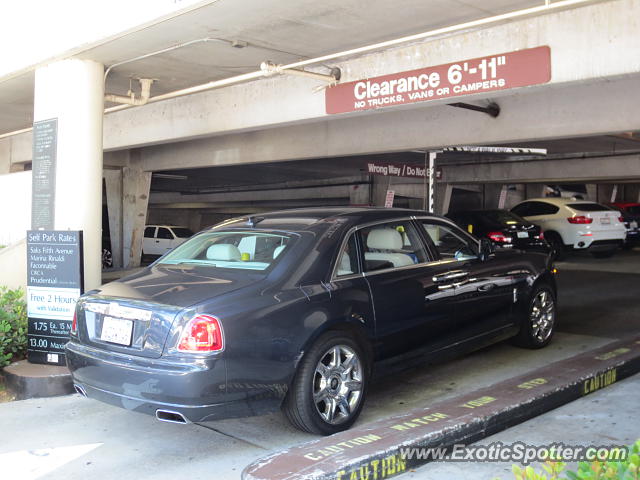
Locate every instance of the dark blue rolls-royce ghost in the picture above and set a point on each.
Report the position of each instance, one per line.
(292, 309)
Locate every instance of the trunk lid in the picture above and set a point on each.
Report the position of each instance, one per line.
(604, 219)
(135, 315)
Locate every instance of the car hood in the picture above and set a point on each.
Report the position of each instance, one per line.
(181, 286)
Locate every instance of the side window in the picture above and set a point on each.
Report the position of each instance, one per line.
(149, 232)
(450, 243)
(392, 245)
(541, 208)
(165, 233)
(522, 209)
(348, 259)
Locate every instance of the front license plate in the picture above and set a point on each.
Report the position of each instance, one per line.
(633, 225)
(605, 221)
(117, 330)
(523, 234)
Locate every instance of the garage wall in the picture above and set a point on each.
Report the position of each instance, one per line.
(15, 210)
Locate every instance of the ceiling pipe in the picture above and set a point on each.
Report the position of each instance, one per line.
(270, 68)
(547, 7)
(145, 94)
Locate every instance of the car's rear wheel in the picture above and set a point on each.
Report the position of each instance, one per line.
(328, 390)
(558, 248)
(539, 319)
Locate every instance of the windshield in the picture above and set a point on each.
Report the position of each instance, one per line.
(231, 249)
(182, 232)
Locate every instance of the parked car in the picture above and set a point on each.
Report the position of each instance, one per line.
(631, 218)
(570, 225)
(159, 239)
(291, 309)
(505, 229)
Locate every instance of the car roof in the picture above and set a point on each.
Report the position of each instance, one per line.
(479, 211)
(557, 200)
(626, 204)
(307, 218)
(165, 226)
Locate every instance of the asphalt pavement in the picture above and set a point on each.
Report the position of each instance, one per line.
(72, 437)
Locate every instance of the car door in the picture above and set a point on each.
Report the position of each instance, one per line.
(164, 240)
(411, 310)
(483, 289)
(149, 241)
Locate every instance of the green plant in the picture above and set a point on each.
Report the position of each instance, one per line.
(552, 468)
(13, 325)
(628, 469)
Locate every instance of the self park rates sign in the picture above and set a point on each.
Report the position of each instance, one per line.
(479, 75)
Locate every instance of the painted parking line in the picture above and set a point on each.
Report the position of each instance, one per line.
(372, 451)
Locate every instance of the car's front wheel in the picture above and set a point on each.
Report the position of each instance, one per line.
(539, 319)
(327, 393)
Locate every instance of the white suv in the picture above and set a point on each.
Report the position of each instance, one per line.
(570, 224)
(159, 239)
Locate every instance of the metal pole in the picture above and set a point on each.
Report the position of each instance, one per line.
(432, 180)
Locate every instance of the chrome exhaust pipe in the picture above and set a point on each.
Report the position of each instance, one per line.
(80, 390)
(171, 417)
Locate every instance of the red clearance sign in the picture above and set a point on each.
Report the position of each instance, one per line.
(485, 74)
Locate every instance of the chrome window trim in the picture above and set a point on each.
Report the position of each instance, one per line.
(355, 228)
(334, 277)
(452, 223)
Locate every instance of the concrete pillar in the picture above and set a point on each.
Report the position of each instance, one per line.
(195, 221)
(492, 195)
(135, 200)
(380, 185)
(113, 184)
(535, 190)
(5, 157)
(515, 195)
(443, 198)
(592, 192)
(359, 195)
(72, 91)
(606, 192)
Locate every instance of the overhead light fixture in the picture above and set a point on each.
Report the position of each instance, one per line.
(170, 176)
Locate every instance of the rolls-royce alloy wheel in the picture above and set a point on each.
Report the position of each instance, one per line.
(538, 326)
(328, 390)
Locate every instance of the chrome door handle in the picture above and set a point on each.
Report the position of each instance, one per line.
(487, 287)
(445, 277)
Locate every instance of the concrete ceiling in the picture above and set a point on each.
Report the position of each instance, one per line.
(258, 176)
(279, 30)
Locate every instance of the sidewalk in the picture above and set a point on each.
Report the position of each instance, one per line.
(608, 417)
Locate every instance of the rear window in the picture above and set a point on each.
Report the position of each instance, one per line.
(504, 217)
(588, 207)
(182, 232)
(233, 249)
